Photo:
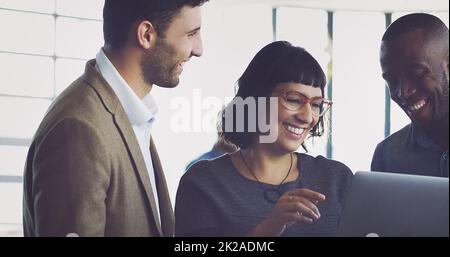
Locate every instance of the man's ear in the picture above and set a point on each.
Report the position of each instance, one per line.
(146, 34)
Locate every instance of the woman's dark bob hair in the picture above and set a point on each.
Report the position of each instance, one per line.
(278, 62)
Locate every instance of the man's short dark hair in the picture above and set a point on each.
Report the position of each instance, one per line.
(120, 15)
(278, 62)
(415, 21)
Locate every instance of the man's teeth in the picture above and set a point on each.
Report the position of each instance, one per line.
(417, 106)
(297, 131)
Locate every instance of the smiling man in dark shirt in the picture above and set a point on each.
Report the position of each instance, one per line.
(414, 60)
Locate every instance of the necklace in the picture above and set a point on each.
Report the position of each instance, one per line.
(272, 194)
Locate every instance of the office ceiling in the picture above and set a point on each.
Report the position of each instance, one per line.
(357, 5)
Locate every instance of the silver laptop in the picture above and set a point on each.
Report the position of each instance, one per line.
(395, 205)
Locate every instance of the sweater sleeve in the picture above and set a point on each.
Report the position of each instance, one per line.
(195, 213)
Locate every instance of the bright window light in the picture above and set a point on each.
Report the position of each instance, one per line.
(21, 116)
(92, 9)
(44, 6)
(38, 81)
(31, 33)
(13, 160)
(71, 35)
(358, 88)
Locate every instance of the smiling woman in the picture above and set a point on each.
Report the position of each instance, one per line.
(241, 194)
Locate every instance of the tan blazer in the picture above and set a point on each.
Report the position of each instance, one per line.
(85, 173)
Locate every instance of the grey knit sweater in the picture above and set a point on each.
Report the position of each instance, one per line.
(214, 199)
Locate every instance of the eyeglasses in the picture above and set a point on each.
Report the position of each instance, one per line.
(294, 101)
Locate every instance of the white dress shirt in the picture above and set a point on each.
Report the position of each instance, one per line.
(140, 112)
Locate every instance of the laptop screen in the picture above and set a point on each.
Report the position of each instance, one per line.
(388, 204)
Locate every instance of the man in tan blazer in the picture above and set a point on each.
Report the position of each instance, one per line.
(92, 168)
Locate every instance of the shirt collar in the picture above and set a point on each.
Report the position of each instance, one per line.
(421, 138)
(138, 111)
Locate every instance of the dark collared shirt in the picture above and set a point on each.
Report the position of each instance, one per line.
(410, 151)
